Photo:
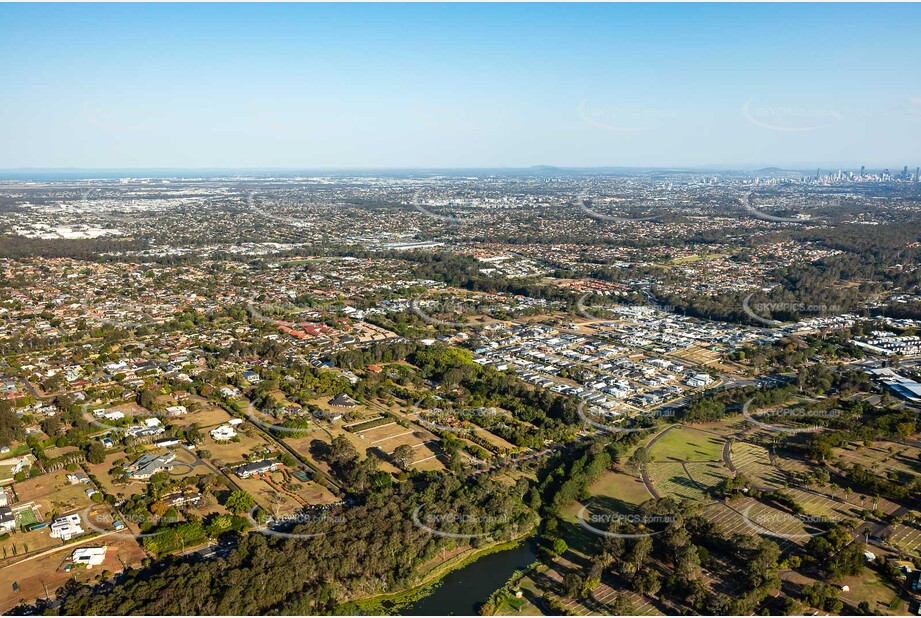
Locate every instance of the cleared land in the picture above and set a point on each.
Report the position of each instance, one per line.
(687, 444)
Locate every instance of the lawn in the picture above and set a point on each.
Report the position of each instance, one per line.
(687, 444)
(670, 479)
(868, 587)
(629, 490)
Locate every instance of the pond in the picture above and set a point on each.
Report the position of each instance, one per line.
(461, 592)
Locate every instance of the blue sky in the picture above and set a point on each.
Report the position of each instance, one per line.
(410, 85)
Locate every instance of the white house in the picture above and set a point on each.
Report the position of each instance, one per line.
(65, 528)
(90, 556)
(223, 432)
(699, 379)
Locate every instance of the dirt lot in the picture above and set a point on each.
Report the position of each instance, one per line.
(46, 571)
(206, 418)
(52, 492)
(233, 452)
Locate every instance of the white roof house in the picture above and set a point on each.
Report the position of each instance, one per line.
(223, 432)
(65, 528)
(90, 556)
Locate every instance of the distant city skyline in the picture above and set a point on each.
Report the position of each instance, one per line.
(385, 87)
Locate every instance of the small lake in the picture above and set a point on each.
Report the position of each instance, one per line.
(462, 591)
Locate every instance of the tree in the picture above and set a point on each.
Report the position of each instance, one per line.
(96, 453)
(403, 456)
(647, 581)
(639, 459)
(10, 424)
(572, 585)
(239, 502)
(341, 453)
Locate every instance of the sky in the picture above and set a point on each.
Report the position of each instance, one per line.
(324, 86)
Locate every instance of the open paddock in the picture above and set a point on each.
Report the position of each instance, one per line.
(45, 570)
(309, 491)
(206, 418)
(52, 492)
(882, 458)
(687, 444)
(131, 409)
(232, 452)
(627, 489)
(696, 355)
(187, 463)
(270, 495)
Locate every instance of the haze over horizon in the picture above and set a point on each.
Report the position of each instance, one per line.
(336, 87)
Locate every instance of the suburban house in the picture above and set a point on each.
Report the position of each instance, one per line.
(699, 379)
(90, 556)
(230, 391)
(66, 528)
(255, 467)
(148, 465)
(223, 433)
(179, 498)
(342, 401)
(177, 410)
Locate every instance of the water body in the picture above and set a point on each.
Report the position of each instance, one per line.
(464, 590)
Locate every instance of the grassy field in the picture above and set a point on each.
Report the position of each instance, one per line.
(670, 479)
(687, 444)
(708, 474)
(619, 486)
(233, 452)
(883, 457)
(869, 587)
(52, 492)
